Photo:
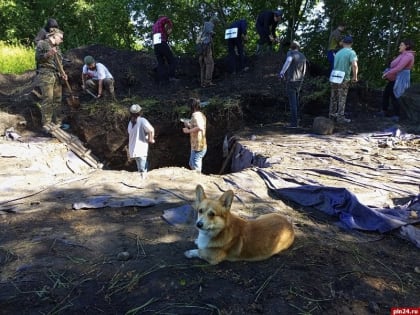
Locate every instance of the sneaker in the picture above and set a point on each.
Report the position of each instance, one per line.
(292, 126)
(343, 120)
(65, 126)
(207, 84)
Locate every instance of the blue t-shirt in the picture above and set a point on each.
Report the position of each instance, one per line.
(343, 60)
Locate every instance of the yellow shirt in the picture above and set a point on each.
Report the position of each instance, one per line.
(198, 139)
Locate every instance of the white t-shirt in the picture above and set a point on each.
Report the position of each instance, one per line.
(101, 72)
(138, 142)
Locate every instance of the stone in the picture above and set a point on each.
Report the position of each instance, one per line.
(323, 126)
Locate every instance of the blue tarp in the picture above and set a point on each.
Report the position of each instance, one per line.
(344, 204)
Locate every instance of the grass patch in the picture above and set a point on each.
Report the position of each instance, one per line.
(16, 59)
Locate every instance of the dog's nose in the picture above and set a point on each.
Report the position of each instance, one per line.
(199, 224)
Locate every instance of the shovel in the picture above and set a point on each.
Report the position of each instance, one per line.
(73, 101)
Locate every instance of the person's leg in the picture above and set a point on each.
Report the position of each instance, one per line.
(262, 41)
(333, 101)
(196, 159)
(92, 85)
(330, 58)
(386, 95)
(292, 96)
(161, 68)
(231, 56)
(109, 86)
(142, 165)
(45, 82)
(395, 101)
(342, 98)
(202, 70)
(208, 59)
(241, 53)
(57, 109)
(170, 59)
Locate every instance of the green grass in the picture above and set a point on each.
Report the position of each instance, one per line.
(16, 59)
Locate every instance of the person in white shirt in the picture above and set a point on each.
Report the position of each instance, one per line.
(96, 78)
(140, 134)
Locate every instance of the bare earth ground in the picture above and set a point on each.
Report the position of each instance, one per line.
(55, 259)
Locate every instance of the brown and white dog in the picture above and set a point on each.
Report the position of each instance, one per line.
(225, 236)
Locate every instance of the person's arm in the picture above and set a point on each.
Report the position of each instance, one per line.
(401, 64)
(286, 66)
(84, 77)
(354, 69)
(100, 87)
(101, 76)
(151, 136)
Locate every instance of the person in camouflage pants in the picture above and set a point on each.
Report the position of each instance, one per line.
(49, 76)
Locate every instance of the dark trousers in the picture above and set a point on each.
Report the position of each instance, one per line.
(293, 90)
(236, 57)
(389, 94)
(264, 38)
(166, 61)
(330, 58)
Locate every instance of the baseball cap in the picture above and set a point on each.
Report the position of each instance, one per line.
(135, 108)
(348, 39)
(89, 60)
(278, 13)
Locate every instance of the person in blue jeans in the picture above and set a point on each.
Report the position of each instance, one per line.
(140, 134)
(196, 128)
(236, 53)
(293, 71)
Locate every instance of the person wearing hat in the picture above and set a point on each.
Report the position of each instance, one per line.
(205, 58)
(140, 134)
(266, 25)
(196, 128)
(48, 78)
(96, 78)
(345, 63)
(164, 56)
(293, 71)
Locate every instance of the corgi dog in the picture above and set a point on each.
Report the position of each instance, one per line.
(223, 235)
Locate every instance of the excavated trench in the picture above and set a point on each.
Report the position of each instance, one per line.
(172, 147)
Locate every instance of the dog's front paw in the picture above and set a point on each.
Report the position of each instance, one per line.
(191, 253)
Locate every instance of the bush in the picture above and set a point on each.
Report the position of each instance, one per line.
(16, 59)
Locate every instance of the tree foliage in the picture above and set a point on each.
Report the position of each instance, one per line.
(376, 25)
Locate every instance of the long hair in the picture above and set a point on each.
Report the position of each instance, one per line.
(195, 105)
(409, 43)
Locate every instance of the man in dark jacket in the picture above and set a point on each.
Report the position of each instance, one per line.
(165, 58)
(236, 54)
(293, 71)
(266, 25)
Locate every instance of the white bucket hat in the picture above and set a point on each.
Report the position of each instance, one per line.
(135, 108)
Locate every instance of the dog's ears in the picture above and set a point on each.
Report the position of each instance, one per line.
(199, 193)
(226, 199)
